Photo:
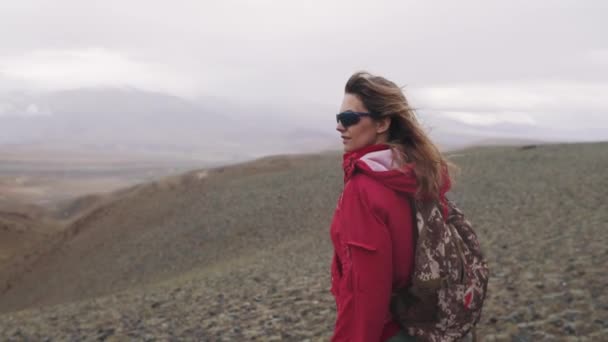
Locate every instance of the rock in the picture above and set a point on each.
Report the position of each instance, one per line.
(569, 329)
(104, 334)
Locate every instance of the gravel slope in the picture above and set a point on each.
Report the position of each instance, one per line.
(250, 260)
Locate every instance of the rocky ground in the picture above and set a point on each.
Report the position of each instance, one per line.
(541, 215)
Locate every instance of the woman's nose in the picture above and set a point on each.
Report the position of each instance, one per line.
(339, 127)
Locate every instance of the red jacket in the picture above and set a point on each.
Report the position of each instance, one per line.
(373, 238)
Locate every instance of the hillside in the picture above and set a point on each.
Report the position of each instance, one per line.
(155, 230)
(242, 252)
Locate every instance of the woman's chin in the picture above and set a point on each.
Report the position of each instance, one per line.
(347, 144)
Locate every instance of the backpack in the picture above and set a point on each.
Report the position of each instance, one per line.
(449, 280)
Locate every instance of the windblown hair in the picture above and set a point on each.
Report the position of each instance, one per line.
(406, 136)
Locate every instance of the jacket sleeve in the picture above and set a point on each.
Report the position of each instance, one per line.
(366, 282)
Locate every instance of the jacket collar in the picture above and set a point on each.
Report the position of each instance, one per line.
(350, 158)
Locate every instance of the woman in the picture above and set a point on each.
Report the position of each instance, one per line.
(388, 159)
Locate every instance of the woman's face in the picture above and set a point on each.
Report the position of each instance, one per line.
(364, 133)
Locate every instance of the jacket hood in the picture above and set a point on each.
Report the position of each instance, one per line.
(377, 162)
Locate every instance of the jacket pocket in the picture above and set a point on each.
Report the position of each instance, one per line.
(363, 246)
(355, 273)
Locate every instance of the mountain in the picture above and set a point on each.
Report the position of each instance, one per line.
(218, 130)
(129, 120)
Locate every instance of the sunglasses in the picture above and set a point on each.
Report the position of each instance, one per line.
(349, 118)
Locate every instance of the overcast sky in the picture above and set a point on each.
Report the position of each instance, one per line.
(539, 63)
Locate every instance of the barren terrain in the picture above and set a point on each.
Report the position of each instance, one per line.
(242, 253)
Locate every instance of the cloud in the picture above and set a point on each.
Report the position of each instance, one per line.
(463, 61)
(598, 57)
(552, 104)
(91, 67)
(489, 118)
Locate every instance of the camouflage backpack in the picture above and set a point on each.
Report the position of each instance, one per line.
(449, 281)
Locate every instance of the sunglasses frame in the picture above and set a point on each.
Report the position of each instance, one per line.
(355, 117)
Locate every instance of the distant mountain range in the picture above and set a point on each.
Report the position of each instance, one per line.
(132, 121)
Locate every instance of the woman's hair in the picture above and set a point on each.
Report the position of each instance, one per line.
(384, 98)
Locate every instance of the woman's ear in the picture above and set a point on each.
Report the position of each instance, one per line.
(383, 124)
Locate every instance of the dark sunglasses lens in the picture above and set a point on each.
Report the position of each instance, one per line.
(347, 118)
